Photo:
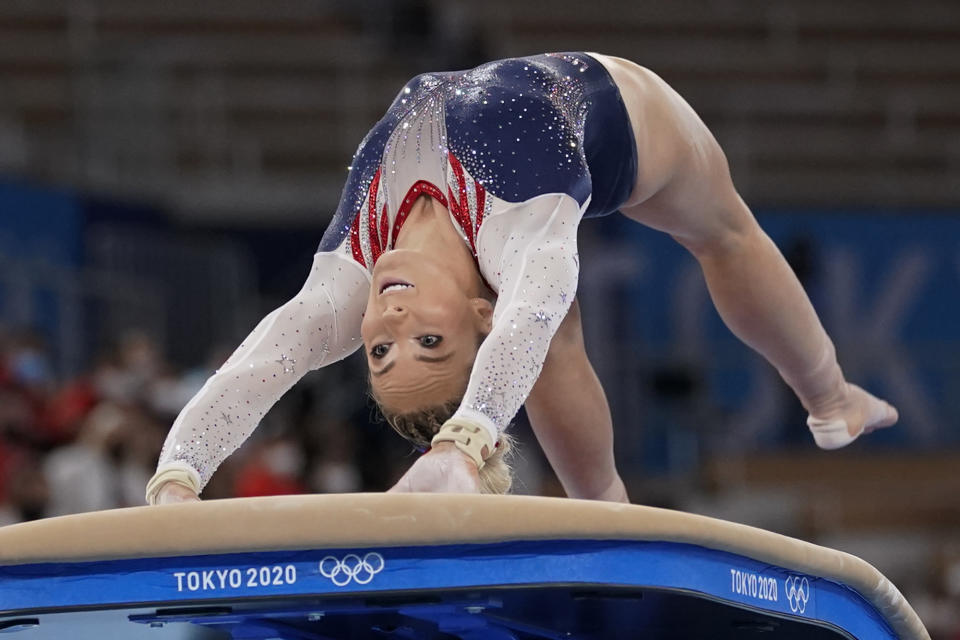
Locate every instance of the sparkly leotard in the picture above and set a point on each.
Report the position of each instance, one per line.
(518, 151)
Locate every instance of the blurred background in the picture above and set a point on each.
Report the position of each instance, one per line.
(167, 169)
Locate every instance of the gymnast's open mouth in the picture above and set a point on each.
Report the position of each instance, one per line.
(394, 285)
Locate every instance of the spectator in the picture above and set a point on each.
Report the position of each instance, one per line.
(27, 492)
(84, 475)
(336, 470)
(274, 467)
(128, 375)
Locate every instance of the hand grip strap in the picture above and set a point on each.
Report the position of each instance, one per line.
(470, 438)
(179, 473)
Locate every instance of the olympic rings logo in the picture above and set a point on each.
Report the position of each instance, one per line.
(798, 593)
(352, 568)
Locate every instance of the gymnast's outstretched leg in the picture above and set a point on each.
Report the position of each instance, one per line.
(684, 188)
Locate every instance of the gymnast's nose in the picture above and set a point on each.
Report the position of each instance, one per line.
(394, 314)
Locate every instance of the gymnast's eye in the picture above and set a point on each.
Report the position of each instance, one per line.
(379, 350)
(430, 341)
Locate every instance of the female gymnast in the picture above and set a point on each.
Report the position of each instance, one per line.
(452, 259)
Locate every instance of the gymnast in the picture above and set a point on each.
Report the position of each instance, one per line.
(452, 259)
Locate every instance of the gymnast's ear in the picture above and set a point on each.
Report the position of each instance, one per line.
(483, 312)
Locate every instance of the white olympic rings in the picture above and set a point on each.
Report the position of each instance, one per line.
(352, 568)
(798, 593)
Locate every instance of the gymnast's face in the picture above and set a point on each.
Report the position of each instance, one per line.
(420, 331)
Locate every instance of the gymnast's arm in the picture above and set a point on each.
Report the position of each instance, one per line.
(318, 326)
(536, 267)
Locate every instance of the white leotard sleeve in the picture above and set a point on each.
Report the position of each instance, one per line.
(528, 252)
(318, 326)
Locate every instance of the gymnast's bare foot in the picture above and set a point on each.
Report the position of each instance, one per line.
(856, 413)
(444, 469)
(174, 492)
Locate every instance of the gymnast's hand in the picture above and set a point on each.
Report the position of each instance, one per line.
(174, 492)
(444, 469)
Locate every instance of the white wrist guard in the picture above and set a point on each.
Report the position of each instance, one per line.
(181, 474)
(468, 437)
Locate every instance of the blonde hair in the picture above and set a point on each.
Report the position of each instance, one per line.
(419, 427)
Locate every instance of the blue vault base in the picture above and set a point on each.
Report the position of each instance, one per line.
(500, 591)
